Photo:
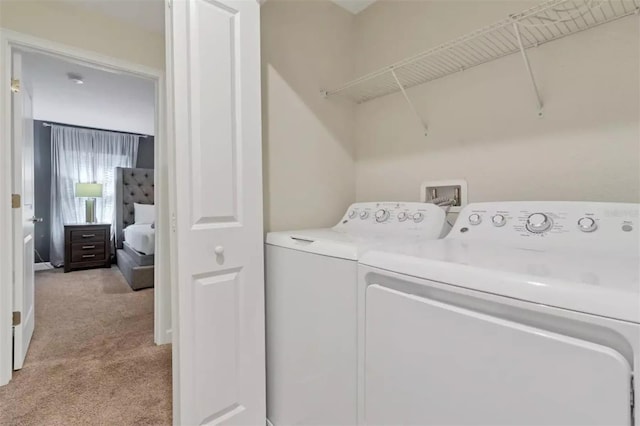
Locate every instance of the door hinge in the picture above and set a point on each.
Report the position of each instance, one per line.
(15, 85)
(17, 318)
(15, 201)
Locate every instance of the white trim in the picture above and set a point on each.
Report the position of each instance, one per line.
(170, 151)
(6, 250)
(42, 266)
(162, 279)
(8, 40)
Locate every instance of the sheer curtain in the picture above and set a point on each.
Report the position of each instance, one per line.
(83, 155)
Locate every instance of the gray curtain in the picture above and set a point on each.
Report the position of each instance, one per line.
(83, 155)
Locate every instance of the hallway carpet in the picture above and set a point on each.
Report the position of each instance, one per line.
(92, 359)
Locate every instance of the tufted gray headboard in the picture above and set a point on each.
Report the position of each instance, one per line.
(132, 186)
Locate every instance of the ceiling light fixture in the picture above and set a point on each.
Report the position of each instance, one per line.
(76, 78)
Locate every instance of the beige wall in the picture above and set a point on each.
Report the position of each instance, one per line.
(309, 171)
(483, 121)
(81, 28)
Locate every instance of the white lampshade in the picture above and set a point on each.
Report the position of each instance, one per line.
(89, 190)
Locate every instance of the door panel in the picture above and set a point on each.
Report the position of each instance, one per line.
(216, 310)
(432, 363)
(23, 227)
(213, 106)
(219, 357)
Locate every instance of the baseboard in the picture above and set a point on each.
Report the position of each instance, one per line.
(42, 266)
(164, 338)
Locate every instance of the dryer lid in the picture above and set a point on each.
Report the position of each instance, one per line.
(604, 285)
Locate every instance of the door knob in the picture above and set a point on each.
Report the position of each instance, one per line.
(219, 250)
(36, 219)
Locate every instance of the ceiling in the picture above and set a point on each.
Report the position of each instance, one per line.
(106, 100)
(147, 14)
(354, 6)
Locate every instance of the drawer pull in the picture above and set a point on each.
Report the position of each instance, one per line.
(88, 235)
(88, 255)
(88, 247)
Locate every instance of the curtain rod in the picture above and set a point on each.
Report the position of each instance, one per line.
(100, 130)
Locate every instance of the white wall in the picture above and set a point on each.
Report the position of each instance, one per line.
(483, 123)
(83, 28)
(309, 170)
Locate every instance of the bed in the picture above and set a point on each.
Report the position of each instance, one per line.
(135, 243)
(141, 238)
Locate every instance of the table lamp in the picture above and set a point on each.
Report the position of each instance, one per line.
(90, 191)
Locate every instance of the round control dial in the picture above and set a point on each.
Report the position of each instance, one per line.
(382, 215)
(538, 223)
(364, 214)
(402, 216)
(418, 217)
(475, 219)
(498, 220)
(353, 214)
(587, 224)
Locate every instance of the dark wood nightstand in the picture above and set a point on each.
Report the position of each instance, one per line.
(87, 245)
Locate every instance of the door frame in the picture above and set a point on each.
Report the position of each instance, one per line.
(163, 169)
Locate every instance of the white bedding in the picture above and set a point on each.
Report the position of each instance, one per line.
(141, 237)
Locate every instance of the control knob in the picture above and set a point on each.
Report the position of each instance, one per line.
(475, 219)
(418, 217)
(353, 214)
(382, 215)
(364, 214)
(499, 220)
(587, 224)
(402, 216)
(538, 223)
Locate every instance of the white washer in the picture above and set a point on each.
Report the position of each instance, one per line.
(311, 295)
(527, 313)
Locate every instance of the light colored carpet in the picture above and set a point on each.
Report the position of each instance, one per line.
(92, 359)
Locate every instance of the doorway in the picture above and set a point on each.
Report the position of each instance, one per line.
(159, 299)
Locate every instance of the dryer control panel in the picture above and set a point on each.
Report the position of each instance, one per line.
(553, 224)
(397, 218)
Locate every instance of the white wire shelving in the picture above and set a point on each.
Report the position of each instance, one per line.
(548, 21)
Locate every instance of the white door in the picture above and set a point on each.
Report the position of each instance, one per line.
(431, 363)
(214, 69)
(23, 290)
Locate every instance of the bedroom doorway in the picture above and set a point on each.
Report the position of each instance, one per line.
(129, 184)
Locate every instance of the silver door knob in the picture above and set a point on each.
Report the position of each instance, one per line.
(219, 250)
(36, 219)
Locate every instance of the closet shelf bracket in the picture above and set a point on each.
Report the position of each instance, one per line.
(411, 105)
(525, 58)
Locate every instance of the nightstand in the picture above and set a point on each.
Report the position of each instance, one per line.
(87, 245)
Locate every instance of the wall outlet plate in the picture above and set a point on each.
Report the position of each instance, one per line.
(455, 189)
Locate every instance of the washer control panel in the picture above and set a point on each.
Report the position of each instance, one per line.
(605, 226)
(394, 217)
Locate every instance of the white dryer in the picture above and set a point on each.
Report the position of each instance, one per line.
(311, 296)
(527, 313)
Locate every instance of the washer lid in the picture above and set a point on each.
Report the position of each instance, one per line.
(337, 242)
(602, 285)
(327, 242)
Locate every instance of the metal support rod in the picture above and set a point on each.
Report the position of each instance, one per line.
(536, 93)
(413, 108)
